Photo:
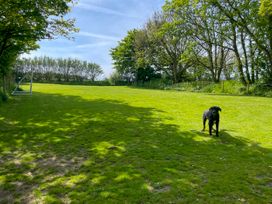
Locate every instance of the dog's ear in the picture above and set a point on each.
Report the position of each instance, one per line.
(211, 107)
(217, 108)
(214, 108)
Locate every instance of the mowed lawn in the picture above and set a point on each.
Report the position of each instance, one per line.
(81, 144)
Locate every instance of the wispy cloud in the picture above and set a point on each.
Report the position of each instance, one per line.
(100, 36)
(103, 10)
(91, 45)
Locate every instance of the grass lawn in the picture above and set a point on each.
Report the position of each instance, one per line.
(85, 144)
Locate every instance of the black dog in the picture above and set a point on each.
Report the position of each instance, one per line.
(213, 116)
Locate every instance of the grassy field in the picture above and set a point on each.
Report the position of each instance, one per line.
(84, 144)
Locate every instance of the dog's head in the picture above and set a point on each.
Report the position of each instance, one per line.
(215, 110)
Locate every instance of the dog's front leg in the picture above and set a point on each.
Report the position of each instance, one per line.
(210, 126)
(217, 127)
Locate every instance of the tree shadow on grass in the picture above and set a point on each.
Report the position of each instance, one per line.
(57, 148)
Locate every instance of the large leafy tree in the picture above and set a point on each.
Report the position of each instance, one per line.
(224, 28)
(124, 57)
(169, 42)
(203, 26)
(254, 18)
(23, 23)
(158, 47)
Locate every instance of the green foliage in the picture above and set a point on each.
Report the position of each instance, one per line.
(124, 56)
(226, 87)
(117, 79)
(26, 22)
(230, 87)
(261, 89)
(127, 145)
(265, 8)
(3, 97)
(154, 84)
(46, 69)
(131, 58)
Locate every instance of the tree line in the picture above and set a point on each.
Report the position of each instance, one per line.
(193, 40)
(48, 69)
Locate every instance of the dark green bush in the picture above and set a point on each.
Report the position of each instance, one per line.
(3, 97)
(261, 89)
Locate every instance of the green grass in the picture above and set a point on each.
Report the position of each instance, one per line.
(84, 144)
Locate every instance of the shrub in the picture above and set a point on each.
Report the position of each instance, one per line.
(261, 89)
(3, 97)
(153, 84)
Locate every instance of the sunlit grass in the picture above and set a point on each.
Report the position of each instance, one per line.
(86, 144)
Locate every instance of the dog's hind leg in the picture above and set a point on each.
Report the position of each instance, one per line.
(204, 123)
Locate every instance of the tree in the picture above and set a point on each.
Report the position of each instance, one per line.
(93, 71)
(206, 31)
(123, 56)
(159, 46)
(255, 19)
(6, 64)
(23, 23)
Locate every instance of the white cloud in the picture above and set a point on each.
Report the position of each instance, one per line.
(100, 36)
(104, 10)
(91, 45)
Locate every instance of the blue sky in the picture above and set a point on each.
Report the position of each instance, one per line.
(102, 24)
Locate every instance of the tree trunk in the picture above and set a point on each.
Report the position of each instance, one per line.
(252, 61)
(174, 71)
(211, 63)
(245, 56)
(4, 84)
(222, 61)
(239, 62)
(270, 43)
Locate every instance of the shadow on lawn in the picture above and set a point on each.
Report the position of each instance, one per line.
(68, 149)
